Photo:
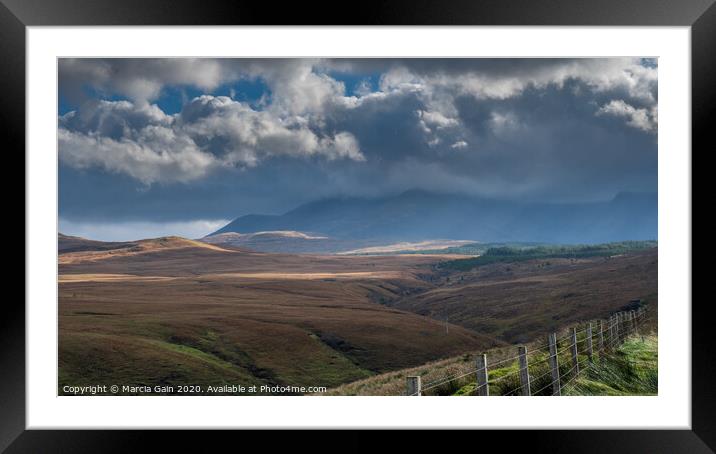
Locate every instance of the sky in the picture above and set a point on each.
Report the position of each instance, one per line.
(152, 147)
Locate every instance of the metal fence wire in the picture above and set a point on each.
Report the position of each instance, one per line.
(594, 341)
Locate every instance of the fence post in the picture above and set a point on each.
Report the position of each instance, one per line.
(524, 371)
(617, 334)
(414, 386)
(601, 335)
(589, 341)
(641, 317)
(636, 322)
(483, 389)
(554, 364)
(625, 325)
(631, 322)
(575, 358)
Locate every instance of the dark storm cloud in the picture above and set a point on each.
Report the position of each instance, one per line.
(542, 129)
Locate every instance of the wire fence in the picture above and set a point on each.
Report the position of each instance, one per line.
(546, 369)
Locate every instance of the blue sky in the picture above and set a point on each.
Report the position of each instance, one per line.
(151, 147)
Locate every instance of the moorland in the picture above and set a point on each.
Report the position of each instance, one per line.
(174, 311)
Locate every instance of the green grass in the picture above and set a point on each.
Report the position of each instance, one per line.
(509, 254)
(630, 370)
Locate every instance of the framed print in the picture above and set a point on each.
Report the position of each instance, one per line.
(447, 217)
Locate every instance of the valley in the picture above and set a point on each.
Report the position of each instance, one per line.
(172, 311)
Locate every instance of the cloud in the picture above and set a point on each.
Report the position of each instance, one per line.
(131, 231)
(141, 141)
(309, 90)
(150, 155)
(140, 79)
(544, 129)
(643, 119)
(439, 86)
(436, 120)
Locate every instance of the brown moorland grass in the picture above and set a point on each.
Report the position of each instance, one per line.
(518, 302)
(176, 312)
(201, 316)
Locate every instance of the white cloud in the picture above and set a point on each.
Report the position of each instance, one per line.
(153, 154)
(459, 144)
(298, 90)
(436, 119)
(345, 145)
(439, 88)
(364, 88)
(295, 118)
(640, 118)
(211, 132)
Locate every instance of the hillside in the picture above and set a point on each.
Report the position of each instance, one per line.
(78, 250)
(293, 242)
(631, 369)
(286, 241)
(512, 254)
(67, 243)
(419, 215)
(176, 311)
(515, 302)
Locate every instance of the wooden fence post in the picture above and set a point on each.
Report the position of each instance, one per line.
(575, 358)
(636, 322)
(625, 325)
(632, 317)
(601, 335)
(610, 329)
(483, 389)
(617, 334)
(589, 341)
(554, 364)
(414, 386)
(524, 371)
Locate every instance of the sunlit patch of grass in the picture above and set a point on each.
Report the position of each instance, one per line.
(631, 370)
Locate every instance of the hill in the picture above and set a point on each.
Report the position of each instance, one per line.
(175, 311)
(512, 254)
(294, 242)
(280, 241)
(419, 215)
(67, 243)
(518, 301)
(77, 249)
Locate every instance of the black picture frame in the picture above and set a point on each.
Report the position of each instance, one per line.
(16, 15)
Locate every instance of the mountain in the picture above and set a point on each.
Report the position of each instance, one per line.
(418, 215)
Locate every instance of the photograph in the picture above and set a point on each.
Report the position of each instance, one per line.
(357, 226)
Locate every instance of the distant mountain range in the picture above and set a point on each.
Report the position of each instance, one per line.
(418, 215)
